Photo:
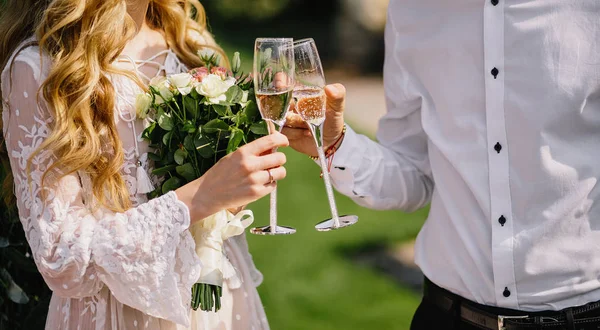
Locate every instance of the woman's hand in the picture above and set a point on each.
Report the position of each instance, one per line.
(299, 135)
(237, 179)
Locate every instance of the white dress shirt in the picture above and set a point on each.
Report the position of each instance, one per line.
(493, 116)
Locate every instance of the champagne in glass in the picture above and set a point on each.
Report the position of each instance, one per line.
(274, 105)
(310, 104)
(273, 85)
(310, 101)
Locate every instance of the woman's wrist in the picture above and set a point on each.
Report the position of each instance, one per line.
(199, 207)
(236, 210)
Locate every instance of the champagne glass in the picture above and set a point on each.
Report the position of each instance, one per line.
(310, 100)
(273, 85)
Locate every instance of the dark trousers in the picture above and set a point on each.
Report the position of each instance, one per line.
(430, 317)
(433, 315)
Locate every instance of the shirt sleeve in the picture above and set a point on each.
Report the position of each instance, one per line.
(394, 173)
(145, 255)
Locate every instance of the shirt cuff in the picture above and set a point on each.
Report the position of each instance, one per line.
(346, 161)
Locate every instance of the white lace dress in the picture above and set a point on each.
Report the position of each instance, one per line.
(131, 270)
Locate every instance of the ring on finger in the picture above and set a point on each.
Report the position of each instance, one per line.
(271, 179)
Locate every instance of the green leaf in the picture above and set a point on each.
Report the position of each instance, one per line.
(166, 139)
(180, 156)
(259, 128)
(164, 170)
(234, 140)
(148, 131)
(171, 184)
(220, 109)
(194, 94)
(170, 157)
(189, 127)
(188, 143)
(240, 118)
(234, 94)
(214, 126)
(204, 146)
(154, 157)
(164, 121)
(20, 261)
(191, 104)
(186, 171)
(13, 291)
(4, 242)
(251, 110)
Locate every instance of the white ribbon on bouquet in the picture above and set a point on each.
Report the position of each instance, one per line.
(209, 235)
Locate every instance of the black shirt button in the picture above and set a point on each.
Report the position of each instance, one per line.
(506, 293)
(498, 147)
(502, 220)
(495, 72)
(495, 2)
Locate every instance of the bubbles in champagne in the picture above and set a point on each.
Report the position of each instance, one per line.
(273, 105)
(310, 104)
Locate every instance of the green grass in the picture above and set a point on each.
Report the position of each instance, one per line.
(310, 282)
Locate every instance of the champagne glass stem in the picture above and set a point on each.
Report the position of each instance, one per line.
(273, 210)
(273, 196)
(317, 133)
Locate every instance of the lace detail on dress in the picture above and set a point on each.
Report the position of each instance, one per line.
(171, 64)
(158, 279)
(145, 256)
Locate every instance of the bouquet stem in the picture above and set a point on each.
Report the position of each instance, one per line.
(207, 297)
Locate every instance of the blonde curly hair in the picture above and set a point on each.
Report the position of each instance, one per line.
(84, 38)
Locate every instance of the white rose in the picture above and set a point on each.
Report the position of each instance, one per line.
(142, 105)
(162, 86)
(158, 81)
(165, 95)
(182, 82)
(206, 53)
(214, 87)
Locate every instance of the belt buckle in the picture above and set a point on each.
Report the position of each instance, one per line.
(502, 318)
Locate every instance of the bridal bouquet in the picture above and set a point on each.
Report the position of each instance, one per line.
(196, 118)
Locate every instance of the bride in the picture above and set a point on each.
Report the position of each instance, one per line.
(113, 259)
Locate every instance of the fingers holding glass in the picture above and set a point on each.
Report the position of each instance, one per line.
(311, 104)
(274, 80)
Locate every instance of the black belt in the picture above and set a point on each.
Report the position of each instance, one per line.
(493, 318)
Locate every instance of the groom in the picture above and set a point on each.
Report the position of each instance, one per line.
(493, 116)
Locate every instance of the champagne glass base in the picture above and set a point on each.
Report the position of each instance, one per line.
(345, 221)
(279, 230)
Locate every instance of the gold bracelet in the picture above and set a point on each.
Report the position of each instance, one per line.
(332, 149)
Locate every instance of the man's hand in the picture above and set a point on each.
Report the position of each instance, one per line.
(298, 133)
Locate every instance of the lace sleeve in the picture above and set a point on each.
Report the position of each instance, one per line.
(145, 255)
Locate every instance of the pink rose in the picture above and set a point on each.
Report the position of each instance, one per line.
(220, 71)
(249, 79)
(199, 73)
